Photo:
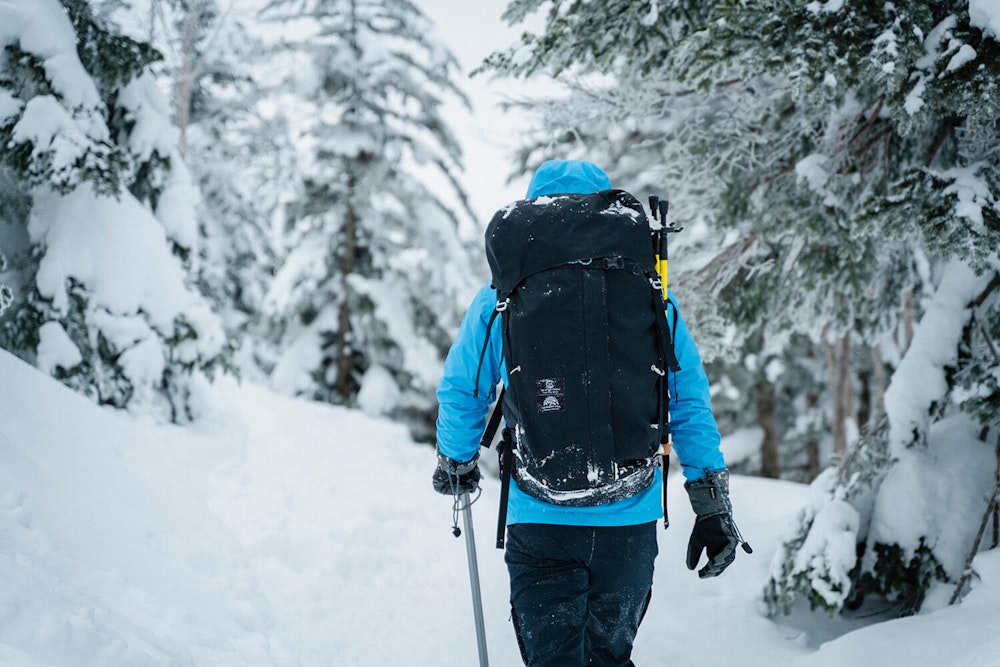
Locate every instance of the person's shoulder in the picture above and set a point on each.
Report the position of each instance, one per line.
(485, 300)
(671, 299)
(486, 294)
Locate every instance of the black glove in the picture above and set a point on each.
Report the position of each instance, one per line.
(714, 530)
(453, 478)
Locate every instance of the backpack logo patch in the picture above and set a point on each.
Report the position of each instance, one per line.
(551, 394)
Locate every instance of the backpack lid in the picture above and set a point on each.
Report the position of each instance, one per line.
(532, 235)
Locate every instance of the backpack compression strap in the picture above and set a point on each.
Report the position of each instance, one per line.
(500, 307)
(505, 451)
(494, 423)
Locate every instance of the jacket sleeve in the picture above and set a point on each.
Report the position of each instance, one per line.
(461, 414)
(696, 435)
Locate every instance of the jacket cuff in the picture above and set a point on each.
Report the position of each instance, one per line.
(710, 494)
(457, 467)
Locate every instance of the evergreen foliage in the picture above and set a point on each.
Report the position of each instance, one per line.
(219, 71)
(797, 95)
(819, 565)
(86, 134)
(365, 300)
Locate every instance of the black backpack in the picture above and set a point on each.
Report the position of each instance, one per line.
(586, 344)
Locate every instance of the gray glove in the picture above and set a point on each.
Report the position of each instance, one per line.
(453, 478)
(714, 531)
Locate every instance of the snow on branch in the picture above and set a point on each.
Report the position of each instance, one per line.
(920, 383)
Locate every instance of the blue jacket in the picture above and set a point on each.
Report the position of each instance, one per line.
(462, 417)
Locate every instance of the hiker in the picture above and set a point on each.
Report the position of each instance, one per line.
(581, 574)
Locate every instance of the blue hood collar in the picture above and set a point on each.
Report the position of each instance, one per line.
(567, 177)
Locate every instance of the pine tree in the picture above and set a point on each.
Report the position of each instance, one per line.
(221, 77)
(88, 144)
(904, 170)
(365, 302)
(850, 151)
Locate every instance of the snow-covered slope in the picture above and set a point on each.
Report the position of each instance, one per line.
(281, 532)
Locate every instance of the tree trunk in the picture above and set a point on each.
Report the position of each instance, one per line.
(907, 321)
(812, 444)
(770, 466)
(838, 362)
(183, 85)
(878, 386)
(348, 255)
(847, 382)
(866, 409)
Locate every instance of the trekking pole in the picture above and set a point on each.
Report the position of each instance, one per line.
(477, 597)
(659, 207)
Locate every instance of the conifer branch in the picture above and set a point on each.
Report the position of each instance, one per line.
(991, 510)
(947, 126)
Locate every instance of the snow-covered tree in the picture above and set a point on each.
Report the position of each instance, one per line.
(900, 513)
(246, 171)
(847, 152)
(894, 179)
(102, 301)
(221, 74)
(364, 304)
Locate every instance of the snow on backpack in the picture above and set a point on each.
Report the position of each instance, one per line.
(586, 345)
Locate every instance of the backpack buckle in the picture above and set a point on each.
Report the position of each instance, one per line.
(614, 263)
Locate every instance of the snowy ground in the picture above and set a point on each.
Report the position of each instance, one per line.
(280, 532)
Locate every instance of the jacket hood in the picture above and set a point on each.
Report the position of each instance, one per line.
(567, 177)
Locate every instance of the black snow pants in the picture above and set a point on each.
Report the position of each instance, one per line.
(578, 593)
